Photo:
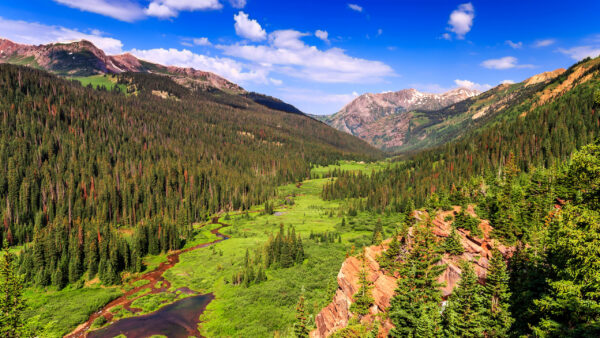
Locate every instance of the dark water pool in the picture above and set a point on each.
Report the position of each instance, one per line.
(179, 319)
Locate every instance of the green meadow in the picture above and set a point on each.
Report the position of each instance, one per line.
(319, 171)
(268, 308)
(260, 310)
(108, 81)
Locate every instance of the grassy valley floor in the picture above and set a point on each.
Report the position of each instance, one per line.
(260, 310)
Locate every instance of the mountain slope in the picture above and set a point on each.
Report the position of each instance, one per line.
(218, 136)
(83, 59)
(542, 125)
(413, 127)
(384, 119)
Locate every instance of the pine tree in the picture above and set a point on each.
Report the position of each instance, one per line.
(453, 244)
(12, 303)
(415, 308)
(377, 233)
(301, 325)
(463, 315)
(362, 298)
(388, 259)
(497, 296)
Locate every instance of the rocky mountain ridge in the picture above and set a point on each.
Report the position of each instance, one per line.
(83, 58)
(478, 251)
(408, 121)
(383, 119)
(369, 108)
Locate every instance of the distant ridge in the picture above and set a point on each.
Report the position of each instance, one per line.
(82, 58)
(382, 119)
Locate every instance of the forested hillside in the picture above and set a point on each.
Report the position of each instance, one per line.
(78, 166)
(533, 173)
(541, 132)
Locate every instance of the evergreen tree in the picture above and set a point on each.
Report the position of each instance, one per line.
(301, 325)
(377, 233)
(453, 244)
(415, 307)
(496, 298)
(362, 298)
(463, 315)
(12, 304)
(387, 260)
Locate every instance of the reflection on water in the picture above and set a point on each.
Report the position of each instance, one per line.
(179, 319)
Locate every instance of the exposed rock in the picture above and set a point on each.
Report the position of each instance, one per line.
(478, 251)
(83, 58)
(384, 119)
(542, 77)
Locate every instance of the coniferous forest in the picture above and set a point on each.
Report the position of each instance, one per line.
(156, 191)
(78, 165)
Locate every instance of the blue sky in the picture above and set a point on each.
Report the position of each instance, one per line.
(318, 55)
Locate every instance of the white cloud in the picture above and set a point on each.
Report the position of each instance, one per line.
(237, 3)
(247, 28)
(355, 7)
(507, 82)
(160, 11)
(447, 36)
(171, 8)
(581, 52)
(472, 85)
(287, 39)
(323, 35)
(276, 82)
(286, 53)
(544, 43)
(201, 42)
(461, 20)
(123, 10)
(514, 45)
(379, 32)
(506, 62)
(225, 67)
(128, 10)
(35, 33)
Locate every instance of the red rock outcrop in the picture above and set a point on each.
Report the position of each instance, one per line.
(337, 314)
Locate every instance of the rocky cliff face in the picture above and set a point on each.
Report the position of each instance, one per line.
(383, 119)
(336, 315)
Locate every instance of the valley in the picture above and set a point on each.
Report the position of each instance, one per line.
(165, 172)
(172, 274)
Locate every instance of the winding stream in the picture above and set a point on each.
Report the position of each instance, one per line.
(179, 319)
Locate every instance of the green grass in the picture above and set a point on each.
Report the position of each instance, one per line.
(269, 308)
(153, 302)
(139, 293)
(259, 310)
(56, 313)
(152, 262)
(108, 81)
(367, 168)
(24, 61)
(140, 282)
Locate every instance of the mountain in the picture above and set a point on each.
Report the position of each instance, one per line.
(83, 59)
(409, 121)
(273, 103)
(526, 161)
(384, 119)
